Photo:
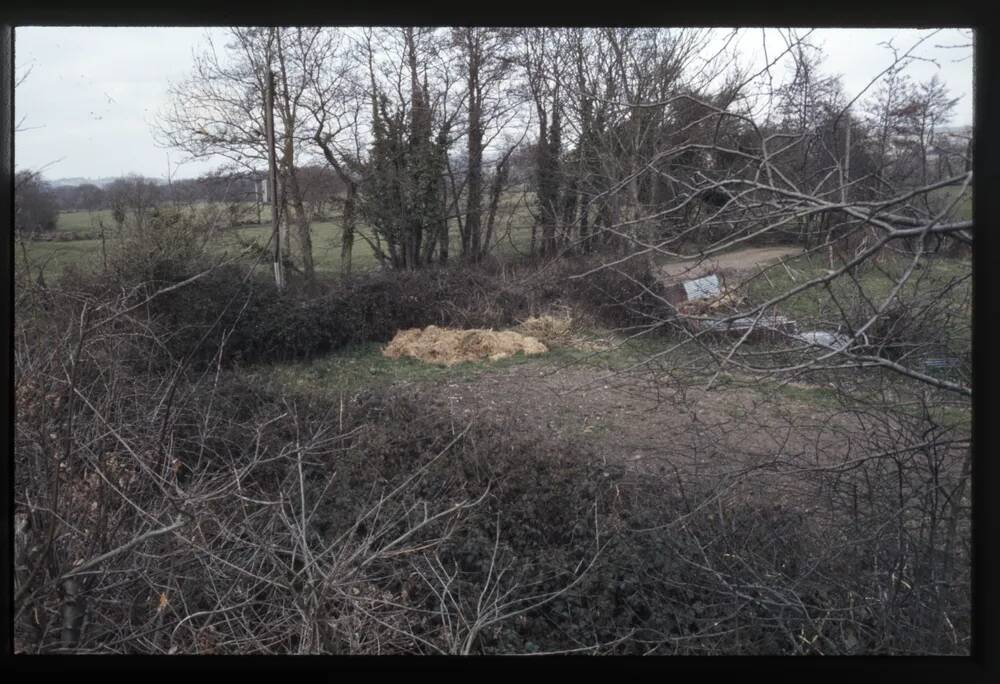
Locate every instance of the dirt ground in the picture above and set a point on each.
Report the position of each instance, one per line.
(655, 426)
(726, 263)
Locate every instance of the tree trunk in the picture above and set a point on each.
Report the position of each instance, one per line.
(347, 231)
(303, 236)
(569, 207)
(272, 181)
(455, 192)
(548, 189)
(443, 236)
(430, 242)
(499, 180)
(473, 220)
(584, 229)
(350, 202)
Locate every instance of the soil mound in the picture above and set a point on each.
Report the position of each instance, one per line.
(447, 347)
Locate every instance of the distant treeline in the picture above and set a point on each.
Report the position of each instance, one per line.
(320, 183)
(38, 202)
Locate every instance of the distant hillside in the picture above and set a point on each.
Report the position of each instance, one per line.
(99, 182)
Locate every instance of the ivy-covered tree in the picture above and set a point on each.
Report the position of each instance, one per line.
(34, 204)
(405, 203)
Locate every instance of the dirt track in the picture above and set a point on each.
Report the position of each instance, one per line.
(726, 262)
(654, 426)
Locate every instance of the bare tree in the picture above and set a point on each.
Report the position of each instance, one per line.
(487, 68)
(34, 204)
(219, 111)
(411, 133)
(132, 199)
(336, 101)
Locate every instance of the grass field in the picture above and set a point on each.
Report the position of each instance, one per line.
(512, 236)
(877, 283)
(364, 366)
(53, 256)
(963, 209)
(84, 221)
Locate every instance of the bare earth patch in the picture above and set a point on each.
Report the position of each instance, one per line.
(655, 427)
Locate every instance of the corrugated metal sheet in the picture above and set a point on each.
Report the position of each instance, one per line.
(822, 338)
(942, 362)
(702, 288)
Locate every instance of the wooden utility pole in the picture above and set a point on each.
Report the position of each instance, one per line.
(258, 192)
(845, 178)
(170, 180)
(847, 159)
(279, 273)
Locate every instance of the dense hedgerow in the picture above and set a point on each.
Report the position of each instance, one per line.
(381, 524)
(598, 557)
(239, 317)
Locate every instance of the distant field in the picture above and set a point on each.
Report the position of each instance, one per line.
(512, 235)
(84, 221)
(962, 210)
(53, 257)
(326, 238)
(818, 306)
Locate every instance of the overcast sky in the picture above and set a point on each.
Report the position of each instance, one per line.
(92, 93)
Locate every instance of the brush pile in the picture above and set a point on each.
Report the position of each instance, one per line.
(562, 331)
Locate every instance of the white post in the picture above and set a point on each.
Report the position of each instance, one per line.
(279, 275)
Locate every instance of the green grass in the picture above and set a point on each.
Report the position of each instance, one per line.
(53, 257)
(816, 395)
(84, 221)
(962, 210)
(326, 243)
(342, 374)
(363, 366)
(948, 310)
(953, 417)
(818, 303)
(512, 235)
(352, 369)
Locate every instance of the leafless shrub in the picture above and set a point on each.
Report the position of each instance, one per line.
(193, 513)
